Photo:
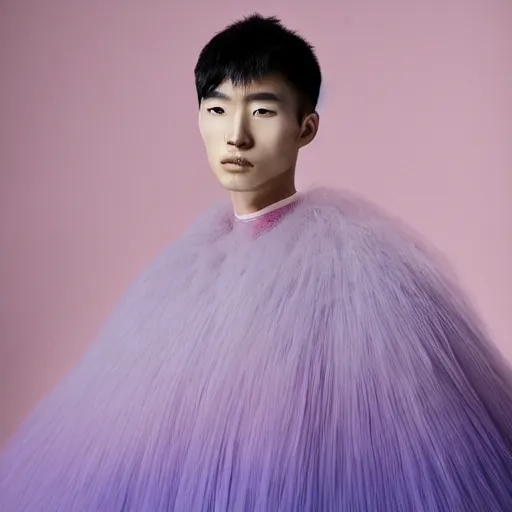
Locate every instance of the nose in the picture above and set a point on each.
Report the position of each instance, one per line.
(240, 135)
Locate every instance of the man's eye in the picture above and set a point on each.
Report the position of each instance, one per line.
(216, 110)
(264, 112)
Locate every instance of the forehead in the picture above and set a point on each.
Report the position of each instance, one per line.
(273, 84)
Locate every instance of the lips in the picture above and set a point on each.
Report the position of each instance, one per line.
(241, 162)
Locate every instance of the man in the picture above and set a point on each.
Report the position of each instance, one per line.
(257, 87)
(292, 352)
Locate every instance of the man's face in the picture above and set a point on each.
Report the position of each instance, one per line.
(258, 125)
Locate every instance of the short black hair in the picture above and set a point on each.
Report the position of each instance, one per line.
(253, 48)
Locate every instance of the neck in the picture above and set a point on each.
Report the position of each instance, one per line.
(245, 203)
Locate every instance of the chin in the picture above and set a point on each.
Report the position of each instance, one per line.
(237, 187)
(242, 182)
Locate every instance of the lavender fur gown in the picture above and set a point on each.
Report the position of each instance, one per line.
(316, 359)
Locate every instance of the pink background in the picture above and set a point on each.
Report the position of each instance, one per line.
(101, 162)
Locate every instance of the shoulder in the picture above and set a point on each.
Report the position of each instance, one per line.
(343, 206)
(349, 224)
(343, 213)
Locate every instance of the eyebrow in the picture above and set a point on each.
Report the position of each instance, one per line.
(255, 96)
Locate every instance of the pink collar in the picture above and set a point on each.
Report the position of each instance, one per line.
(268, 209)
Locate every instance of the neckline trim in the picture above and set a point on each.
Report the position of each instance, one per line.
(268, 209)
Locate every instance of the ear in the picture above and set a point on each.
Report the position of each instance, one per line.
(309, 129)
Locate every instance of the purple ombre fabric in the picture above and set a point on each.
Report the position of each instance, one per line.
(316, 359)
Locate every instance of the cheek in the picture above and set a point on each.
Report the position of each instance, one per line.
(210, 139)
(281, 142)
(208, 126)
